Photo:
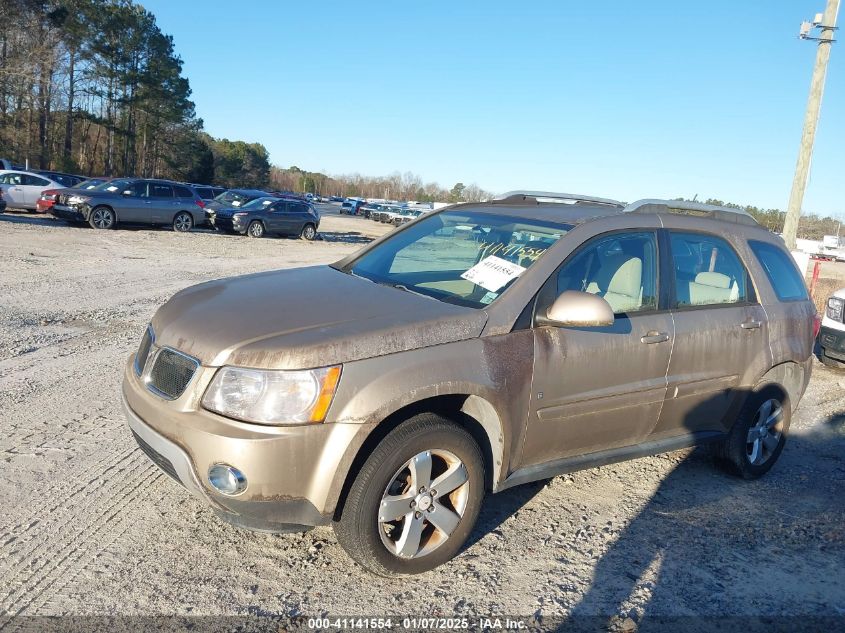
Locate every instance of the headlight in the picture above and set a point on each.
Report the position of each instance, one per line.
(272, 397)
(77, 199)
(835, 307)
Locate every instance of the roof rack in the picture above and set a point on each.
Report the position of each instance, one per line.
(552, 196)
(726, 214)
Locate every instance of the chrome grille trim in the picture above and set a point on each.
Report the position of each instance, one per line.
(169, 372)
(143, 353)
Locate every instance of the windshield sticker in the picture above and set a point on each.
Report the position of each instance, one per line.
(488, 298)
(492, 273)
(518, 251)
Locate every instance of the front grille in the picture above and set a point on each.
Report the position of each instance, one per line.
(171, 373)
(159, 460)
(143, 351)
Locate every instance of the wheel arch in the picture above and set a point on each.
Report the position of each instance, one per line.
(472, 412)
(791, 377)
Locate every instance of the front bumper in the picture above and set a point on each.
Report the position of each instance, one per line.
(833, 342)
(65, 212)
(294, 474)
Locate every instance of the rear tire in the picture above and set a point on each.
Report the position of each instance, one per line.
(758, 436)
(309, 232)
(102, 218)
(255, 229)
(419, 456)
(183, 222)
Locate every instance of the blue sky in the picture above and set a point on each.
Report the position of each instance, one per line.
(619, 99)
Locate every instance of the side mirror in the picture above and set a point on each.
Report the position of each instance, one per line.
(578, 309)
(128, 192)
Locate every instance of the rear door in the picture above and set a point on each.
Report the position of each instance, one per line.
(163, 205)
(32, 187)
(299, 216)
(720, 334)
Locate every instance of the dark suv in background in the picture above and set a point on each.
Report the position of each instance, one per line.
(132, 201)
(230, 199)
(269, 214)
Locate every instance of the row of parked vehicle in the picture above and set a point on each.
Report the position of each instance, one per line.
(105, 203)
(387, 213)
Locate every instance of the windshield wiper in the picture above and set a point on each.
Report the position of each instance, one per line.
(399, 286)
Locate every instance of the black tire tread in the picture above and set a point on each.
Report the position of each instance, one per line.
(349, 528)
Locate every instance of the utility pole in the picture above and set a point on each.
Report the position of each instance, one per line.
(827, 24)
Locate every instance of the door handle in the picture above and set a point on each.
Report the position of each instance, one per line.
(750, 325)
(654, 337)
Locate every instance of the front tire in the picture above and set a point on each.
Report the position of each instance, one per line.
(183, 222)
(415, 501)
(102, 218)
(758, 436)
(832, 363)
(255, 229)
(309, 232)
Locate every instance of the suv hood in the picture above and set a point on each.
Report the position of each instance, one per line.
(304, 318)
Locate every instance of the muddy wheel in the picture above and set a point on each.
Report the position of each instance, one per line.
(758, 436)
(415, 500)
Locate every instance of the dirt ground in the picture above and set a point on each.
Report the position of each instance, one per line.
(89, 526)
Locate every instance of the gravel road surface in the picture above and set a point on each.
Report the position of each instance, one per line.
(89, 526)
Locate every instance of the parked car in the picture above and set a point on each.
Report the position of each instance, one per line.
(208, 192)
(832, 333)
(66, 180)
(21, 189)
(132, 201)
(387, 393)
(351, 206)
(406, 216)
(231, 198)
(271, 215)
(46, 200)
(5, 163)
(335, 199)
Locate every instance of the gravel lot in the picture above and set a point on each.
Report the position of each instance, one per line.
(89, 526)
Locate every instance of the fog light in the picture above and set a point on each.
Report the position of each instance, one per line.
(226, 479)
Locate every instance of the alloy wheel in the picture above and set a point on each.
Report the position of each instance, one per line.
(423, 503)
(765, 432)
(183, 223)
(102, 218)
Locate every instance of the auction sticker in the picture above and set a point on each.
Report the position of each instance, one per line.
(491, 273)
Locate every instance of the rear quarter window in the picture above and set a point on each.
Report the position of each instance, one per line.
(781, 271)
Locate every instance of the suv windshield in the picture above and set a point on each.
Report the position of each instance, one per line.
(233, 198)
(464, 258)
(113, 185)
(259, 203)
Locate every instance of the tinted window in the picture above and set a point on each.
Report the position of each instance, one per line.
(621, 268)
(781, 270)
(183, 192)
(35, 181)
(707, 271)
(137, 189)
(298, 207)
(158, 190)
(10, 179)
(204, 192)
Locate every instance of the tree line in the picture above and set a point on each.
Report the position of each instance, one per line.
(810, 227)
(396, 186)
(95, 87)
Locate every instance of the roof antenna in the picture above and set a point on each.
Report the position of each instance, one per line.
(695, 197)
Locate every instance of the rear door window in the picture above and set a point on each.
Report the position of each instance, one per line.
(158, 190)
(707, 271)
(35, 181)
(781, 270)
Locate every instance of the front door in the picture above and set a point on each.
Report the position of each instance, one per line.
(162, 207)
(600, 388)
(720, 335)
(32, 188)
